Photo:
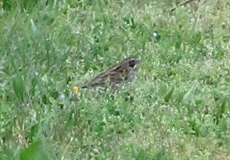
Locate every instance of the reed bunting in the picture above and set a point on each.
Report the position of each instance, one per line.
(117, 74)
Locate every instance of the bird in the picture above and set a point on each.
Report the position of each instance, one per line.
(115, 75)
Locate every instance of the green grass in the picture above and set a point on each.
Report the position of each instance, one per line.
(178, 108)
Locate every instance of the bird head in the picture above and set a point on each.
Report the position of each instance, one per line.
(131, 62)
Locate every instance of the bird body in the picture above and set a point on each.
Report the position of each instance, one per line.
(119, 73)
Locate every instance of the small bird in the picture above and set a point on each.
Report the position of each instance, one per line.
(117, 74)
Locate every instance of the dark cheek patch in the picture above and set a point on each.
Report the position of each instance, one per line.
(131, 64)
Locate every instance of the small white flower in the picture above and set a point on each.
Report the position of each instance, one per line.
(62, 96)
(155, 35)
(36, 73)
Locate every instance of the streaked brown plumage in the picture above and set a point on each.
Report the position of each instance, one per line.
(119, 73)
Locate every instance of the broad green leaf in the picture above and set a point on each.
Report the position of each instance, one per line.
(35, 151)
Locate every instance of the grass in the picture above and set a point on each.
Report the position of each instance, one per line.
(178, 108)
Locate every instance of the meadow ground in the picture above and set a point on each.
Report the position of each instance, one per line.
(178, 108)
